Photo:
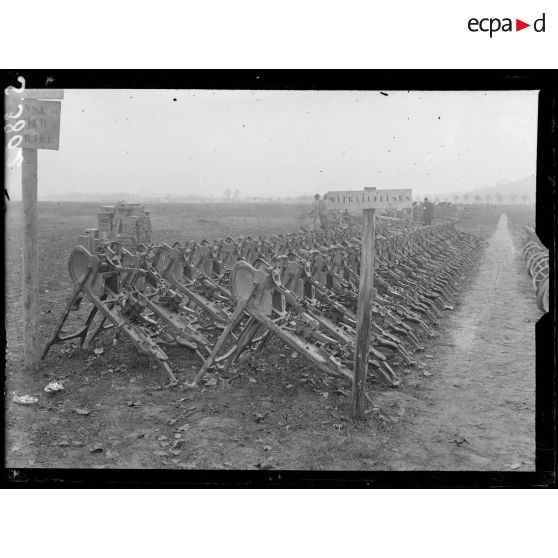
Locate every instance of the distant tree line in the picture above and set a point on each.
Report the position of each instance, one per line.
(469, 197)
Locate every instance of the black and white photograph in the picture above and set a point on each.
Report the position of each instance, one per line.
(273, 279)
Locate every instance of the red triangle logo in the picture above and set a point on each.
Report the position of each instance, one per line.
(519, 25)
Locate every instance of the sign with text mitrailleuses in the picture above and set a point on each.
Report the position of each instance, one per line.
(367, 201)
(369, 198)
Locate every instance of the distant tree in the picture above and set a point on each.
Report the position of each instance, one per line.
(236, 194)
(227, 194)
(524, 198)
(512, 197)
(455, 198)
(477, 198)
(500, 197)
(466, 197)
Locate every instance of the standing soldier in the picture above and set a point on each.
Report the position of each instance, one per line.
(318, 213)
(428, 211)
(344, 219)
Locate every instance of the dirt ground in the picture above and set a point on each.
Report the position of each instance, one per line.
(468, 405)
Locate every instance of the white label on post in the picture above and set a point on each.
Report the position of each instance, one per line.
(369, 198)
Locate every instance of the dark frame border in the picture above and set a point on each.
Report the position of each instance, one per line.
(441, 80)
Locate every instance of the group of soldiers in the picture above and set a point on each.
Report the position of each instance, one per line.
(318, 212)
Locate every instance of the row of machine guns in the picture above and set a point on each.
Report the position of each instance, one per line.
(220, 298)
(536, 258)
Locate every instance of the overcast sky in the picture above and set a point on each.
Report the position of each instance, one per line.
(286, 143)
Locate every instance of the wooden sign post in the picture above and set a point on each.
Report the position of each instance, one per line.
(30, 259)
(367, 201)
(40, 131)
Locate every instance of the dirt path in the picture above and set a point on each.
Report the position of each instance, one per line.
(480, 400)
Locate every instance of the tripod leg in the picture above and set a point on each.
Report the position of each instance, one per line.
(55, 338)
(236, 317)
(243, 341)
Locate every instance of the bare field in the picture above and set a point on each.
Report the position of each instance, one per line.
(475, 411)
